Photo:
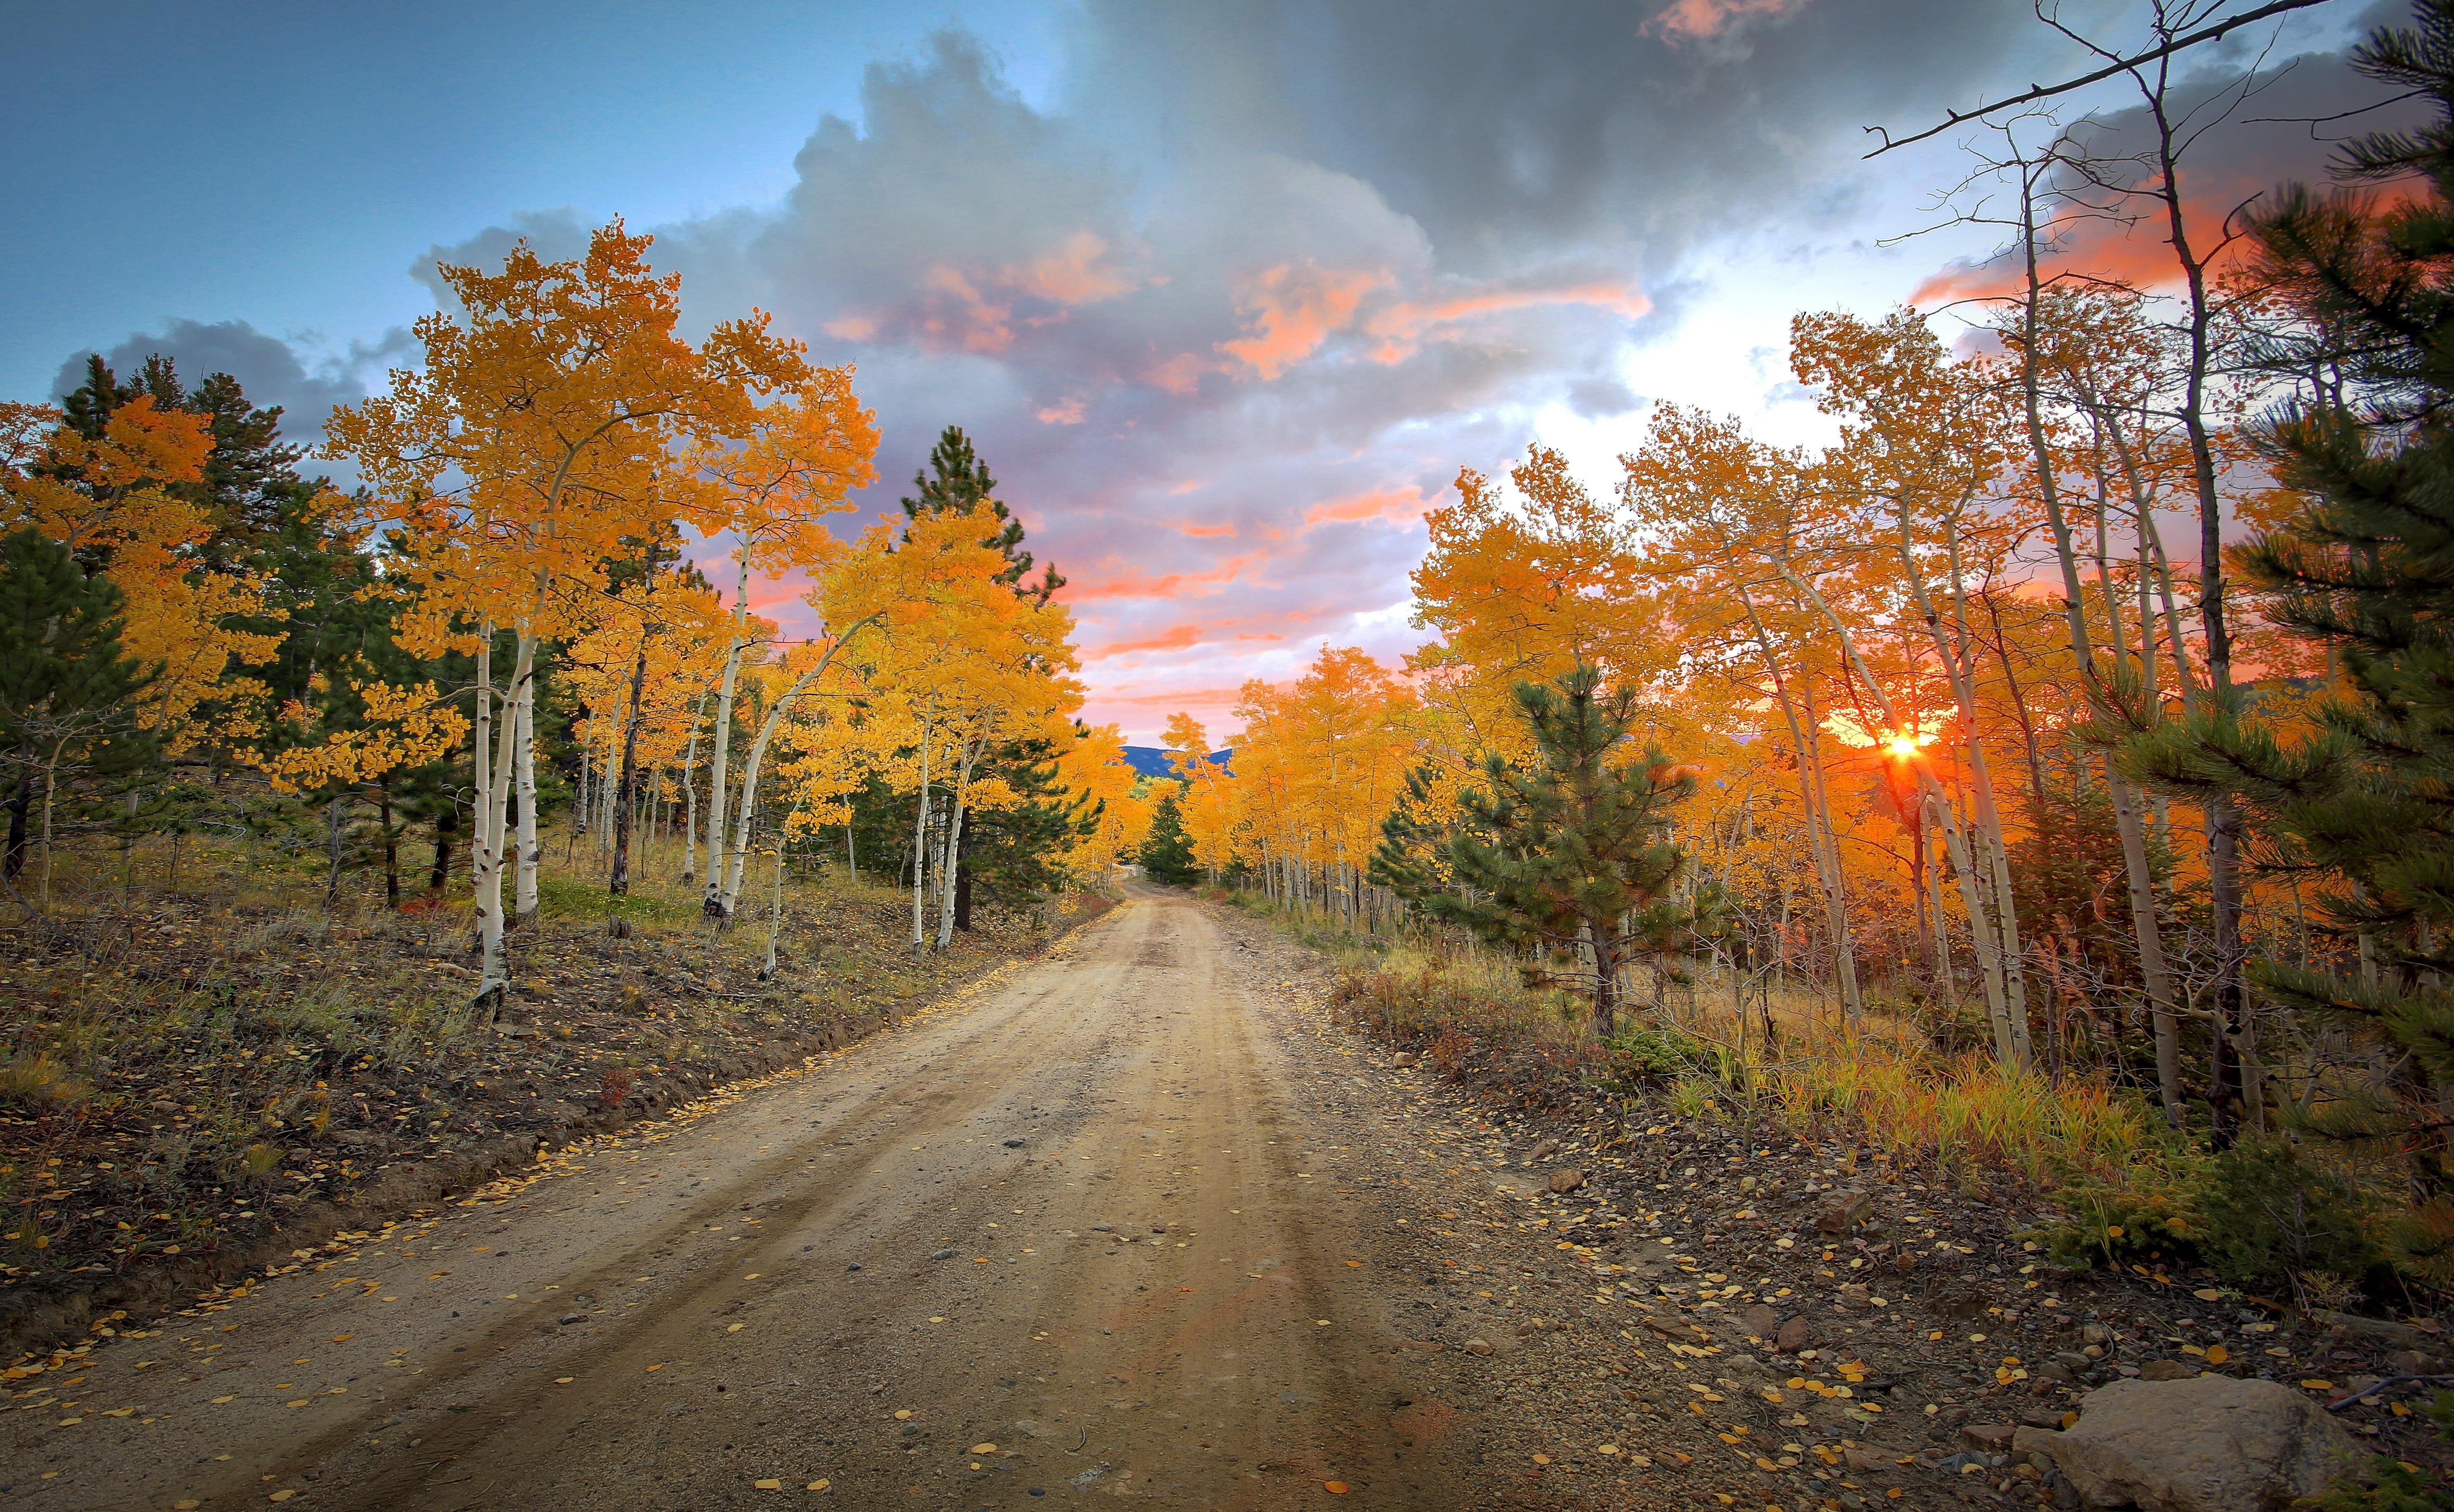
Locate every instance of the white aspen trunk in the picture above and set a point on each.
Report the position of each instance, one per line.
(718, 776)
(1821, 841)
(921, 840)
(775, 909)
(2004, 1007)
(524, 884)
(690, 795)
(493, 795)
(2144, 929)
(1844, 948)
(749, 766)
(950, 870)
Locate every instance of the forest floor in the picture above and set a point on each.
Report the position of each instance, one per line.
(198, 1084)
(1142, 1219)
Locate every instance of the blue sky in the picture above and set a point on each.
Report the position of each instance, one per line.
(1227, 292)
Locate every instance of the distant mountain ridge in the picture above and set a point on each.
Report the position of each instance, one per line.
(1152, 761)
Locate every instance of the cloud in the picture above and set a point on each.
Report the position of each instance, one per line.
(303, 383)
(2277, 134)
(1228, 305)
(1699, 20)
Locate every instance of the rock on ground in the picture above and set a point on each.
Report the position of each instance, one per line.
(2208, 1444)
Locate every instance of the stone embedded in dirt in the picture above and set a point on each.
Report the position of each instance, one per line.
(1481, 1346)
(1405, 1060)
(2412, 1363)
(2211, 1444)
(2168, 1370)
(943, 1254)
(1103, 1228)
(1546, 1149)
(1843, 1210)
(1567, 1180)
(1854, 1295)
(1863, 1460)
(1996, 1435)
(1159, 1228)
(1794, 1335)
(854, 1266)
(1760, 1321)
(1014, 1144)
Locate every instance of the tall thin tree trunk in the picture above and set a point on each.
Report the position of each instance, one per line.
(717, 810)
(530, 852)
(620, 880)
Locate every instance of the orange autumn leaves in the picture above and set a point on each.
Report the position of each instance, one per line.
(111, 501)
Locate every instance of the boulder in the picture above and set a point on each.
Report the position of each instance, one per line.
(2208, 1444)
(1565, 1181)
(1760, 1321)
(1794, 1335)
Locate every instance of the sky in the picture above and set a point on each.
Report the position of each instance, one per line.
(1225, 293)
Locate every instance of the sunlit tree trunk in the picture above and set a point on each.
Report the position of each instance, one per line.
(2144, 932)
(524, 886)
(951, 867)
(717, 809)
(921, 840)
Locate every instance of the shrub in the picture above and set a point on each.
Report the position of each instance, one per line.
(1652, 1053)
(2147, 1201)
(2270, 1215)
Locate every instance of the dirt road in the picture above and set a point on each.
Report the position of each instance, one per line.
(1064, 1238)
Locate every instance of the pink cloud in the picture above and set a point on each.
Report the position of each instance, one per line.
(1401, 505)
(1078, 272)
(1066, 413)
(1695, 20)
(1205, 532)
(1293, 308)
(1175, 637)
(1131, 584)
(1179, 374)
(1405, 327)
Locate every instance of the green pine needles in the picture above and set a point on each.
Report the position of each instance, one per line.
(1569, 860)
(2362, 814)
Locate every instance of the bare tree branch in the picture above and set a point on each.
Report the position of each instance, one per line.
(2045, 91)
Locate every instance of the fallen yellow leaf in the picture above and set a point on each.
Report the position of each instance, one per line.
(984, 1448)
(282, 1495)
(818, 1485)
(343, 1338)
(732, 1328)
(659, 1365)
(902, 1414)
(1333, 1487)
(564, 1381)
(218, 1401)
(2208, 1294)
(768, 1485)
(2318, 1385)
(1541, 1458)
(2217, 1354)
(300, 1403)
(936, 1320)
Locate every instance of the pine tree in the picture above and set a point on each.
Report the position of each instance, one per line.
(961, 484)
(2365, 569)
(1166, 852)
(67, 691)
(1568, 860)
